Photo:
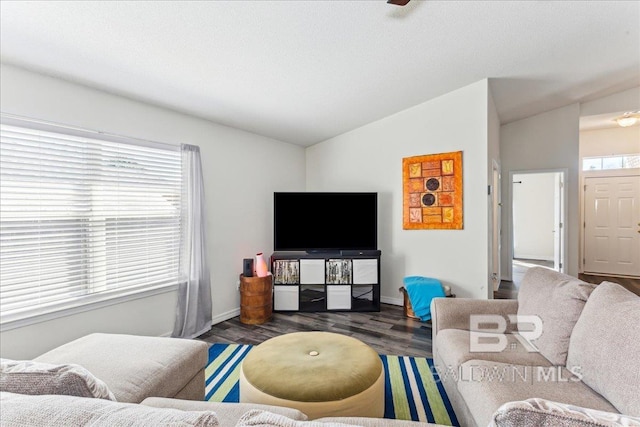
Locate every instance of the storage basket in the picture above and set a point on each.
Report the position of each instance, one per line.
(408, 310)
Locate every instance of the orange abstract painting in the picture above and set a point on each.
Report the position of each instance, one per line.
(432, 191)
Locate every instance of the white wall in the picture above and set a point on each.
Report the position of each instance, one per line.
(493, 136)
(241, 171)
(533, 215)
(611, 141)
(541, 142)
(627, 100)
(493, 207)
(370, 159)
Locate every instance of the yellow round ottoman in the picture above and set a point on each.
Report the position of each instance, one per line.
(319, 373)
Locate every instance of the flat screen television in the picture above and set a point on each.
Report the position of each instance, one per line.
(325, 222)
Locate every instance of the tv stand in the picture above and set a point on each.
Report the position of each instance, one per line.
(326, 281)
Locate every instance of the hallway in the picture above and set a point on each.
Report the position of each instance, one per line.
(509, 289)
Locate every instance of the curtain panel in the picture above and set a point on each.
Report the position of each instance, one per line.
(193, 314)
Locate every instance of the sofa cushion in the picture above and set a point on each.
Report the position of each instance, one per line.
(605, 346)
(260, 418)
(29, 377)
(59, 410)
(558, 300)
(136, 367)
(454, 349)
(541, 412)
(485, 386)
(228, 412)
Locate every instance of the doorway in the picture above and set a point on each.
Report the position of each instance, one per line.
(538, 220)
(495, 225)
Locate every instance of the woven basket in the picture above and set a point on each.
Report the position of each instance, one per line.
(408, 310)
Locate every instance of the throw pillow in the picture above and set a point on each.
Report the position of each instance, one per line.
(28, 377)
(605, 346)
(261, 418)
(557, 299)
(540, 412)
(63, 411)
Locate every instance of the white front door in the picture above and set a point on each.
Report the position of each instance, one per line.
(612, 224)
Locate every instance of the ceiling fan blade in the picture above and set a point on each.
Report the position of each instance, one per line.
(398, 2)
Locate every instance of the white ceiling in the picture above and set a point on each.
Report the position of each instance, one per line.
(304, 71)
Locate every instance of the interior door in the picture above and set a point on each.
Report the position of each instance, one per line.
(496, 209)
(612, 225)
(558, 215)
(534, 197)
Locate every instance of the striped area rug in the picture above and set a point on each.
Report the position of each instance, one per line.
(412, 388)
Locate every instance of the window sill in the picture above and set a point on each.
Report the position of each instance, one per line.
(75, 307)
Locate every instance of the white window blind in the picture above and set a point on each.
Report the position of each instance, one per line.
(83, 219)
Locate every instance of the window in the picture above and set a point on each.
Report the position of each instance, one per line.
(626, 161)
(84, 217)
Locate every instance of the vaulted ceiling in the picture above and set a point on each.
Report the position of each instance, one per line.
(304, 71)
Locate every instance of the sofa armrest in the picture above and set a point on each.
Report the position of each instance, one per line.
(454, 313)
(537, 412)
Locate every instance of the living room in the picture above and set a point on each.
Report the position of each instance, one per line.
(242, 169)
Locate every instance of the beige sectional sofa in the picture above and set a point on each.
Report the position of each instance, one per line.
(111, 379)
(136, 367)
(583, 352)
(582, 369)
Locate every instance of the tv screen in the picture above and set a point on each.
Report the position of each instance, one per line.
(325, 221)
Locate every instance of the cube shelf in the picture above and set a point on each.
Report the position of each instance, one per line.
(326, 282)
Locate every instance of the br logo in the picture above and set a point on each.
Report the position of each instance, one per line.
(488, 332)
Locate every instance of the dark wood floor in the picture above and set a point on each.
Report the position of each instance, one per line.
(387, 331)
(509, 289)
(630, 283)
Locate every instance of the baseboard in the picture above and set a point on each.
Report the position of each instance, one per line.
(533, 257)
(216, 319)
(393, 301)
(226, 316)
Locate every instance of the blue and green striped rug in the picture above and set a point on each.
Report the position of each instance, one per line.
(412, 388)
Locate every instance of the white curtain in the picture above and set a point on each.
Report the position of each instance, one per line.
(193, 315)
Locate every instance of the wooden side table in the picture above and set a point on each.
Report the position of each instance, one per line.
(256, 299)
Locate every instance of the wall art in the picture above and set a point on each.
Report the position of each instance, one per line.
(432, 191)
